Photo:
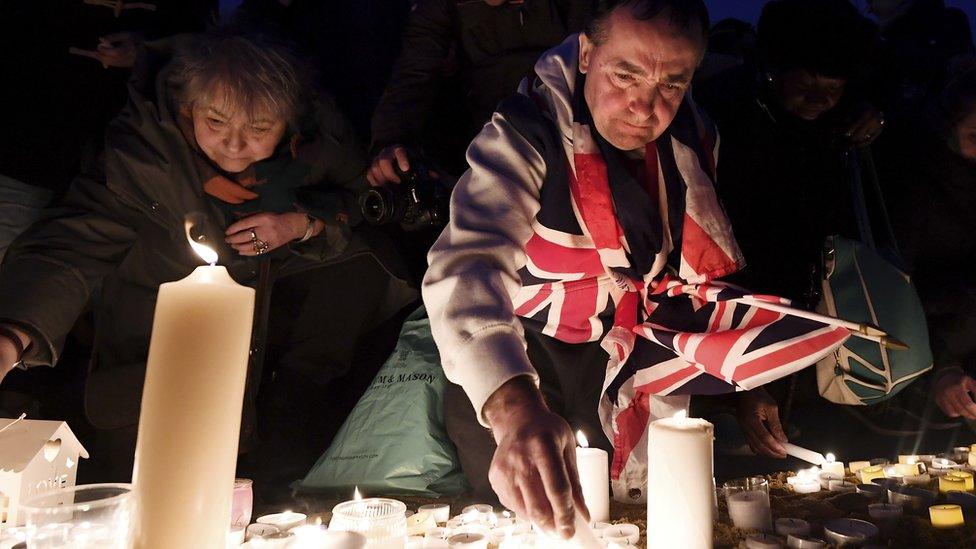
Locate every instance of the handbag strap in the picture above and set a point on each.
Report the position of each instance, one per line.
(879, 235)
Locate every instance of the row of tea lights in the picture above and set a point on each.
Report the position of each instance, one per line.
(905, 483)
(430, 527)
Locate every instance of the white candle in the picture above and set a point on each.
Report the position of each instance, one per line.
(825, 479)
(680, 483)
(189, 426)
(419, 523)
(841, 486)
(593, 466)
(802, 453)
(750, 509)
(847, 531)
(830, 465)
(885, 511)
(622, 533)
(856, 466)
(806, 481)
(787, 526)
(440, 511)
(468, 541)
(763, 541)
(808, 487)
(283, 521)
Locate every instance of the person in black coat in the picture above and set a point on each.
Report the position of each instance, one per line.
(784, 124)
(928, 169)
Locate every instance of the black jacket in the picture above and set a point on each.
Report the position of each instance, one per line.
(482, 50)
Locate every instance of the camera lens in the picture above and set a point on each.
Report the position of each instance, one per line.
(377, 206)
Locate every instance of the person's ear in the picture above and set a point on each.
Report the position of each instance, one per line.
(585, 52)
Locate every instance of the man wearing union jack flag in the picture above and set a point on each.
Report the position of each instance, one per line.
(575, 283)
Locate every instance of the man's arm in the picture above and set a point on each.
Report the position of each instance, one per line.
(468, 290)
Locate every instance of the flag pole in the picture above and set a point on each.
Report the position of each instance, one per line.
(862, 330)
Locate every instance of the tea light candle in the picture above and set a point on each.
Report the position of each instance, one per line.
(830, 465)
(592, 464)
(912, 458)
(806, 481)
(885, 511)
(804, 542)
(477, 511)
(794, 526)
(856, 466)
(841, 486)
(437, 533)
(922, 480)
(622, 533)
(283, 521)
(846, 531)
(871, 490)
(258, 530)
(906, 469)
(870, 473)
(419, 523)
(946, 516)
(943, 463)
(763, 541)
(467, 540)
(966, 476)
(972, 459)
(440, 511)
(681, 498)
(963, 499)
(825, 479)
(910, 497)
(949, 483)
(750, 509)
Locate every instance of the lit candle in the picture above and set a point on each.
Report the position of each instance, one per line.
(972, 458)
(830, 465)
(911, 458)
(763, 541)
(946, 516)
(870, 473)
(622, 533)
(949, 483)
(283, 521)
(750, 509)
(593, 467)
(806, 481)
(804, 542)
(680, 481)
(794, 526)
(920, 480)
(440, 511)
(856, 466)
(845, 531)
(825, 479)
(189, 425)
(966, 476)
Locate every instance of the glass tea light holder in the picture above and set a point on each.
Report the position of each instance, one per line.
(82, 517)
(382, 520)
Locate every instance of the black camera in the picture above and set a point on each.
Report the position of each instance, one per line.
(417, 202)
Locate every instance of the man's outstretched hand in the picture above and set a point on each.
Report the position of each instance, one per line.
(534, 468)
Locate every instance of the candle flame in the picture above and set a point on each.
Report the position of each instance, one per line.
(830, 457)
(318, 521)
(205, 252)
(356, 495)
(911, 460)
(681, 414)
(581, 439)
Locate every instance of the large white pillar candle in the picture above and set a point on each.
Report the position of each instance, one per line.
(189, 426)
(593, 466)
(680, 483)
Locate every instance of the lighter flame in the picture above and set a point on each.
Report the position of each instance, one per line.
(681, 414)
(581, 439)
(205, 252)
(830, 457)
(356, 495)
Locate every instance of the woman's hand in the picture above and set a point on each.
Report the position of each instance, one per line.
(264, 232)
(954, 392)
(758, 416)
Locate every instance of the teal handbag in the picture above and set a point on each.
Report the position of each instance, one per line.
(861, 281)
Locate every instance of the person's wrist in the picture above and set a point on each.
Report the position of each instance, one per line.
(516, 401)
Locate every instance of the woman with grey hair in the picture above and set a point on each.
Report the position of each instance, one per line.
(227, 125)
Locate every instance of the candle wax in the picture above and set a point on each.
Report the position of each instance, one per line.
(946, 516)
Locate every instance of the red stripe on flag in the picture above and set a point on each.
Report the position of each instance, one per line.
(544, 292)
(579, 303)
(591, 189)
(658, 385)
(556, 258)
(631, 425)
(702, 254)
(789, 354)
